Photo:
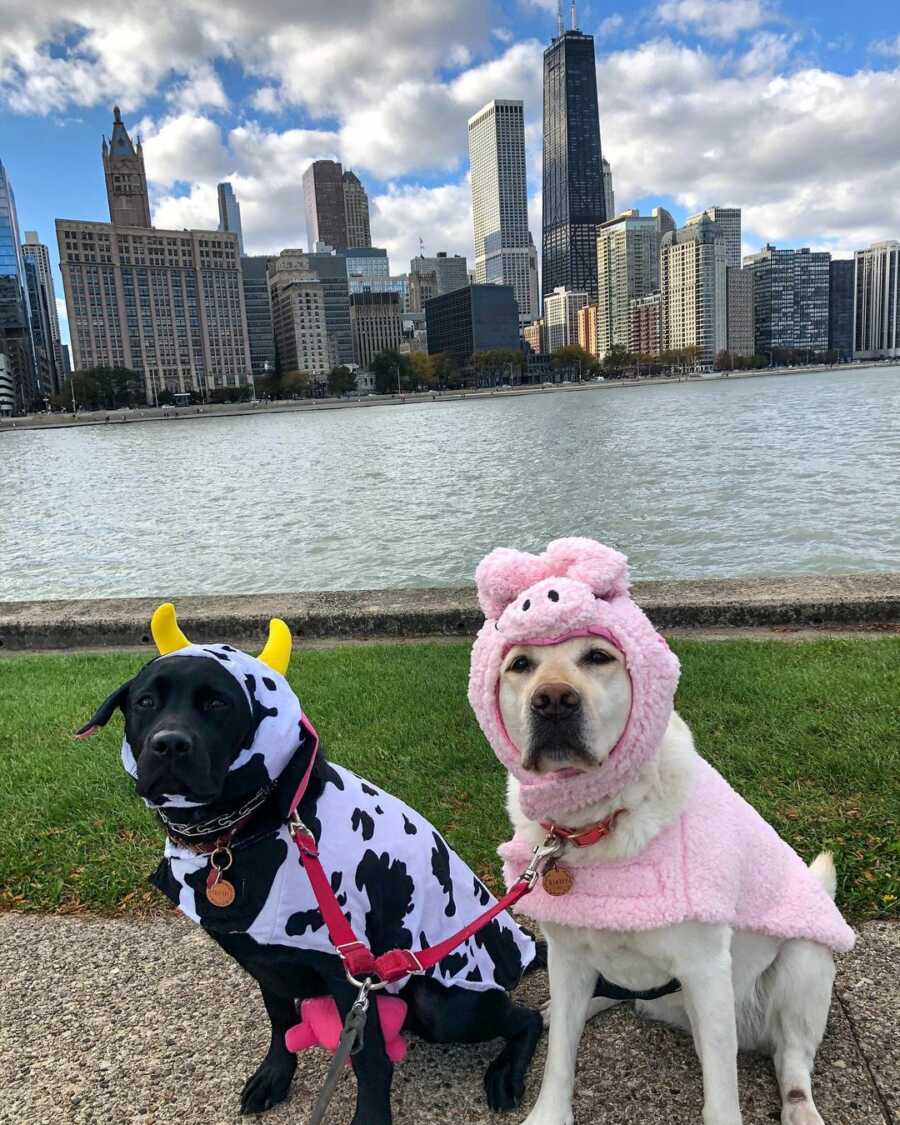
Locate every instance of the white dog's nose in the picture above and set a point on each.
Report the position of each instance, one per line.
(555, 701)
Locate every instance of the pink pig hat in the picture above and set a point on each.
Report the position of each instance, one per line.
(576, 588)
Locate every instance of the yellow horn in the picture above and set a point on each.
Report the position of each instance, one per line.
(166, 634)
(277, 653)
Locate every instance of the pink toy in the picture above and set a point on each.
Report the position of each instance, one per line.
(320, 1026)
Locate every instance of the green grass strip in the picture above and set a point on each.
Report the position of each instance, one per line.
(807, 732)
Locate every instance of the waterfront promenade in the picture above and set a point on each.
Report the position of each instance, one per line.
(220, 410)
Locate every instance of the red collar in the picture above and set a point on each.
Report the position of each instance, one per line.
(583, 837)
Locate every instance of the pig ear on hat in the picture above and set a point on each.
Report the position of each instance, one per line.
(502, 575)
(601, 568)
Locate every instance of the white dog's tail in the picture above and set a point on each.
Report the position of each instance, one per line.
(824, 870)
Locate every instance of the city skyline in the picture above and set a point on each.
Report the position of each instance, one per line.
(212, 123)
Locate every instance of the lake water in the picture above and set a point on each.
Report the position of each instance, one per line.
(780, 475)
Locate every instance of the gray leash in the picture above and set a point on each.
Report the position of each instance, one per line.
(350, 1042)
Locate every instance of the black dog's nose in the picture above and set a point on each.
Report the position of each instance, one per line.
(555, 701)
(171, 742)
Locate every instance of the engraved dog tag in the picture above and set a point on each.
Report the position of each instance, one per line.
(557, 881)
(221, 893)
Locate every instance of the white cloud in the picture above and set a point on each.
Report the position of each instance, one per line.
(610, 25)
(441, 216)
(716, 19)
(890, 47)
(187, 147)
(200, 89)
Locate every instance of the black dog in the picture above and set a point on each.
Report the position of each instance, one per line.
(186, 721)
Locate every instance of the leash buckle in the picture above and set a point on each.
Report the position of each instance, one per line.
(551, 847)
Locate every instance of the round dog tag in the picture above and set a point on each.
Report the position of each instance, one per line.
(221, 894)
(557, 881)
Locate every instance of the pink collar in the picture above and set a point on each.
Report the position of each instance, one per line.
(584, 837)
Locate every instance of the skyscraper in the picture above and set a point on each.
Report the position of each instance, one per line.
(323, 198)
(230, 213)
(329, 272)
(126, 181)
(356, 211)
(573, 196)
(728, 220)
(876, 310)
(15, 308)
(500, 200)
(561, 318)
(260, 333)
(840, 308)
(790, 299)
(34, 251)
(627, 268)
(740, 311)
(693, 279)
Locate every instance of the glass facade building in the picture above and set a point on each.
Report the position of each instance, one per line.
(368, 270)
(472, 319)
(790, 299)
(840, 308)
(573, 189)
(259, 314)
(15, 308)
(230, 213)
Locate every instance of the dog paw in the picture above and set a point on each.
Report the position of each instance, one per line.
(504, 1085)
(268, 1086)
(800, 1113)
(538, 1117)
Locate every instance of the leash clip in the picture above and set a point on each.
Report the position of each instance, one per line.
(551, 847)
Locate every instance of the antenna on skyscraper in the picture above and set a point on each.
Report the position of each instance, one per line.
(574, 20)
(421, 247)
(559, 22)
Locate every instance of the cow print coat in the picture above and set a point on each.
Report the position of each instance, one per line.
(400, 885)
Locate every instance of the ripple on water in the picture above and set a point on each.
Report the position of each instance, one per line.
(776, 475)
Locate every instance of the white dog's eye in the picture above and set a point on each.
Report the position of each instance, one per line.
(520, 664)
(597, 656)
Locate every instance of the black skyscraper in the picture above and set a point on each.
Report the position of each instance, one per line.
(573, 174)
(840, 311)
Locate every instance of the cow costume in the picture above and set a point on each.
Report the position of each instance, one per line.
(579, 588)
(395, 877)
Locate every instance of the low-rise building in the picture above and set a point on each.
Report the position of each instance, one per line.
(644, 324)
(561, 317)
(587, 328)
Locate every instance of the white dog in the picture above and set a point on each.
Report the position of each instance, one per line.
(565, 698)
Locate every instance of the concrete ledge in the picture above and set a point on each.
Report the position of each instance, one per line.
(839, 601)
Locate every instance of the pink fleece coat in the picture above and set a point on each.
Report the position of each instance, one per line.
(719, 862)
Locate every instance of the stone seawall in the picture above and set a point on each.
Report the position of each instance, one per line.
(835, 601)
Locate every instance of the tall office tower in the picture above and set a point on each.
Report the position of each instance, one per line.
(644, 324)
(500, 200)
(44, 354)
(230, 212)
(740, 311)
(368, 269)
(260, 333)
(840, 308)
(573, 198)
(693, 297)
(627, 267)
(790, 299)
(561, 318)
(298, 318)
(330, 269)
(876, 308)
(168, 304)
(664, 221)
(377, 323)
(356, 211)
(34, 251)
(728, 220)
(126, 181)
(323, 198)
(15, 307)
(609, 196)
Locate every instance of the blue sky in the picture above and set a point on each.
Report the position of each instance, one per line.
(788, 109)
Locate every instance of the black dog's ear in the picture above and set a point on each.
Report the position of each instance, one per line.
(104, 712)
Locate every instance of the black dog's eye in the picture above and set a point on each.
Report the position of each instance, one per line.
(146, 701)
(520, 664)
(598, 656)
(214, 703)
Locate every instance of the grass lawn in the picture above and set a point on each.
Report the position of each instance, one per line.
(807, 732)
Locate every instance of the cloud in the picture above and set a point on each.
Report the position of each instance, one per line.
(890, 47)
(184, 148)
(441, 215)
(610, 25)
(716, 19)
(808, 155)
(200, 89)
